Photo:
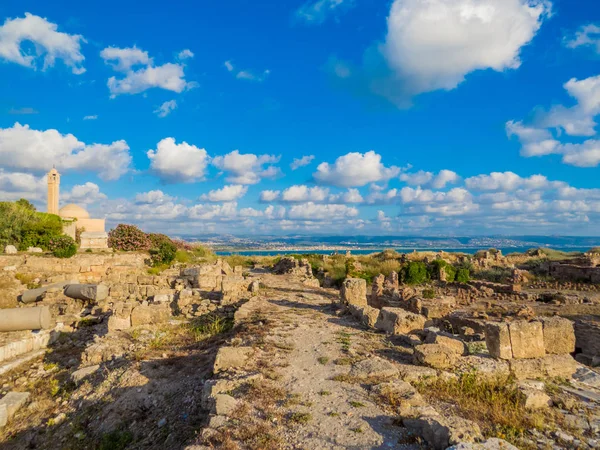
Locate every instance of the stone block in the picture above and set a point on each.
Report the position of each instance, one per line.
(116, 323)
(435, 356)
(374, 367)
(399, 321)
(150, 315)
(225, 404)
(497, 339)
(79, 375)
(35, 250)
(551, 366)
(10, 404)
(559, 335)
(454, 344)
(527, 339)
(231, 358)
(354, 292)
(10, 250)
(534, 395)
(442, 431)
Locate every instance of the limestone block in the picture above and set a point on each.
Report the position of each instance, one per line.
(35, 250)
(91, 292)
(374, 367)
(225, 404)
(254, 287)
(163, 298)
(369, 316)
(497, 339)
(354, 292)
(150, 315)
(10, 404)
(10, 250)
(559, 335)
(145, 280)
(435, 356)
(454, 344)
(79, 375)
(231, 358)
(527, 339)
(399, 321)
(551, 366)
(534, 395)
(441, 431)
(119, 323)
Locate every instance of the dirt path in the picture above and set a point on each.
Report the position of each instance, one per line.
(308, 352)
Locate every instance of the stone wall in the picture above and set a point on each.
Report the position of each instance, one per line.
(571, 272)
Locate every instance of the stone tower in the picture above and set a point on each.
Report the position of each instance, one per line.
(53, 191)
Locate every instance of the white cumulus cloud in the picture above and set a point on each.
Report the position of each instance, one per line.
(434, 44)
(246, 168)
(178, 163)
(22, 148)
(355, 170)
(140, 73)
(229, 193)
(48, 44)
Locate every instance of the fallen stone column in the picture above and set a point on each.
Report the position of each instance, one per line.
(93, 292)
(36, 295)
(23, 319)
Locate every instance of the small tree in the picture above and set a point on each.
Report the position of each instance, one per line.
(415, 273)
(26, 204)
(463, 275)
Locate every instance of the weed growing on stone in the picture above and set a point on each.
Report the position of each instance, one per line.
(323, 360)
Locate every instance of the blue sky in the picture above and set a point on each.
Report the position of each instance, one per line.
(443, 117)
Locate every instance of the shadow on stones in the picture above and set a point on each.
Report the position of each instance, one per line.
(153, 404)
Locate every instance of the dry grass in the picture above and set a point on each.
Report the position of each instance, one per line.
(495, 404)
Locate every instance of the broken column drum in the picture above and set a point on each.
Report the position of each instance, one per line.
(23, 319)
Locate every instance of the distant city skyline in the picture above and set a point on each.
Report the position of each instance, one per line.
(308, 117)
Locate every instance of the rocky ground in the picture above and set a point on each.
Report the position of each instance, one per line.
(295, 372)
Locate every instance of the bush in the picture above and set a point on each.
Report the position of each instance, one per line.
(164, 254)
(63, 246)
(436, 266)
(415, 273)
(429, 293)
(157, 239)
(22, 226)
(128, 238)
(463, 276)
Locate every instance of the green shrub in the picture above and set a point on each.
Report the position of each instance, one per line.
(435, 267)
(415, 272)
(63, 246)
(429, 293)
(128, 238)
(40, 230)
(164, 254)
(22, 226)
(463, 275)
